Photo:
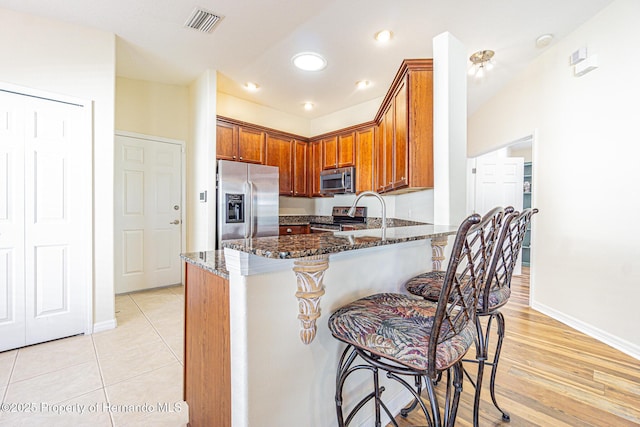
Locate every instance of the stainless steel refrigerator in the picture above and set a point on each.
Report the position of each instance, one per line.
(247, 200)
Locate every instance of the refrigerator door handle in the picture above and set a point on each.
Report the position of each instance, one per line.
(246, 188)
(251, 210)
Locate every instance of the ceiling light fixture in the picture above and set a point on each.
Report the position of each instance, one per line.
(251, 86)
(308, 106)
(309, 61)
(481, 62)
(544, 40)
(383, 36)
(363, 84)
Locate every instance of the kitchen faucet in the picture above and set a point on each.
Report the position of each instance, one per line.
(352, 210)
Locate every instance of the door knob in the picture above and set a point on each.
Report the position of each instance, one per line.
(175, 222)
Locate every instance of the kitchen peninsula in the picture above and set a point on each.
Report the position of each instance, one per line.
(257, 349)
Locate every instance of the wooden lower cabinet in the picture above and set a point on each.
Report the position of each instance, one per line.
(207, 363)
(294, 229)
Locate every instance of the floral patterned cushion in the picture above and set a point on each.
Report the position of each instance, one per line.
(497, 298)
(398, 327)
(428, 285)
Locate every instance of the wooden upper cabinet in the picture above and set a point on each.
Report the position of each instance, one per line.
(300, 175)
(387, 148)
(338, 151)
(346, 149)
(279, 153)
(365, 159)
(401, 143)
(239, 143)
(226, 141)
(315, 167)
(393, 153)
(251, 145)
(330, 153)
(406, 130)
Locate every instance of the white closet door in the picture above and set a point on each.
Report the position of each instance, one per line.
(148, 218)
(46, 197)
(12, 307)
(57, 219)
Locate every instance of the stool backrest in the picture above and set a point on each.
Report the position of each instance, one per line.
(506, 254)
(466, 273)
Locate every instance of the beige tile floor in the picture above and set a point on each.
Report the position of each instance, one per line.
(128, 376)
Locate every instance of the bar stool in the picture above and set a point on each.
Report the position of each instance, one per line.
(494, 294)
(405, 336)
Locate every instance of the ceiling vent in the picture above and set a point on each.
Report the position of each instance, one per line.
(202, 20)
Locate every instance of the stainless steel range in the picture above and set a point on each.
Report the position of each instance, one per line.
(341, 221)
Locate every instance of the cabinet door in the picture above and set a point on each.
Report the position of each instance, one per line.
(365, 159)
(346, 150)
(379, 156)
(251, 145)
(278, 153)
(300, 187)
(400, 146)
(315, 166)
(330, 153)
(226, 141)
(387, 148)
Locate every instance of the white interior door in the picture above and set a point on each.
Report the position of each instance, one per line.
(45, 211)
(148, 213)
(499, 182)
(12, 250)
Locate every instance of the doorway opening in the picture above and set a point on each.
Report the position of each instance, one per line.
(505, 177)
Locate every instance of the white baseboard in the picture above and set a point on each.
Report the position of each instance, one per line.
(624, 346)
(104, 326)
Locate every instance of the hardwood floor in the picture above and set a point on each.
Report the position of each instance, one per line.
(551, 375)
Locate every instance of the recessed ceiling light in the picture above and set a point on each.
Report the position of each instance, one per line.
(308, 106)
(544, 40)
(251, 86)
(363, 84)
(309, 61)
(383, 36)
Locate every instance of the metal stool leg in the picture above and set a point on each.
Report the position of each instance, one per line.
(481, 357)
(494, 365)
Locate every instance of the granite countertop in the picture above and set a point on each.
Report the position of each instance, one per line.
(372, 222)
(211, 261)
(304, 245)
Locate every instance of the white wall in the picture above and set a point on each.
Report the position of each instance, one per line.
(449, 129)
(585, 251)
(250, 112)
(201, 154)
(152, 108)
(355, 115)
(79, 62)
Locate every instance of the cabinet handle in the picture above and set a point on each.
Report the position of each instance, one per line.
(240, 157)
(234, 157)
(289, 230)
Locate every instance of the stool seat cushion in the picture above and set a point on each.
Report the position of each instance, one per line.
(398, 327)
(428, 285)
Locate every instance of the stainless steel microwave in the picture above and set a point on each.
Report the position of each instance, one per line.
(338, 181)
